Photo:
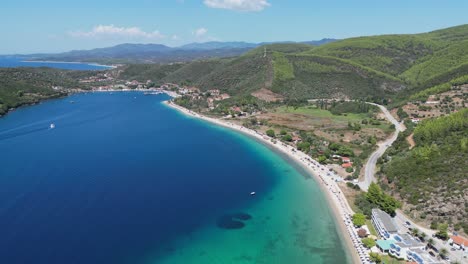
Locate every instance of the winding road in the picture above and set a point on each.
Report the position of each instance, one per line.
(401, 219)
(369, 169)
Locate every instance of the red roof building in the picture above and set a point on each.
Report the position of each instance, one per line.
(347, 165)
(461, 241)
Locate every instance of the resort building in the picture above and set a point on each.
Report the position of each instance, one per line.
(405, 247)
(385, 245)
(412, 250)
(383, 223)
(422, 257)
(405, 244)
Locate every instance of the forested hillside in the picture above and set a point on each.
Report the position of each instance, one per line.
(415, 59)
(432, 177)
(19, 86)
(390, 66)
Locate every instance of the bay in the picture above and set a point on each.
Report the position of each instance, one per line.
(122, 178)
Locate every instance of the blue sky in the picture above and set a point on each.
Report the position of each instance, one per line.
(29, 26)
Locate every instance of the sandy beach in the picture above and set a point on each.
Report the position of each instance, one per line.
(336, 199)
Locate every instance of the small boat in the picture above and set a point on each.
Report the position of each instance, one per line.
(252, 193)
(52, 126)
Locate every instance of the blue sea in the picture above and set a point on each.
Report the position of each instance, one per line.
(124, 179)
(13, 62)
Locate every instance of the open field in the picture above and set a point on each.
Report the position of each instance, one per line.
(315, 112)
(325, 124)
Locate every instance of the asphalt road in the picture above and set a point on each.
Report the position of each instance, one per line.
(401, 219)
(369, 169)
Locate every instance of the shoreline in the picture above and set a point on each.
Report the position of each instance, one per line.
(337, 202)
(340, 210)
(70, 93)
(72, 62)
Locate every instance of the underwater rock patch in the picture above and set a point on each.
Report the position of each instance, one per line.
(242, 216)
(233, 221)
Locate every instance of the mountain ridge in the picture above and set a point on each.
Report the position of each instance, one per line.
(155, 53)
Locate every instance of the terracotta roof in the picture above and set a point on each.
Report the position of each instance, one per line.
(460, 240)
(347, 165)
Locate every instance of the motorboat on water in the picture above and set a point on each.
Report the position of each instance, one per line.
(252, 193)
(52, 126)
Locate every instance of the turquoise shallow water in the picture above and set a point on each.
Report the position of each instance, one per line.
(124, 179)
(292, 223)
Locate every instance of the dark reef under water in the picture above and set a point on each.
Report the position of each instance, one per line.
(233, 221)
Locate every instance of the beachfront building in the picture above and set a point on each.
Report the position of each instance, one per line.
(404, 244)
(422, 257)
(383, 223)
(406, 247)
(384, 245)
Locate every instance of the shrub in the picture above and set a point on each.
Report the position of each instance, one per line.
(359, 219)
(270, 133)
(368, 242)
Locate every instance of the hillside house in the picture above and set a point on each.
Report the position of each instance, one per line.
(458, 242)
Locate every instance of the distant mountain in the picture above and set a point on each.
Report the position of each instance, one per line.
(218, 45)
(157, 53)
(320, 42)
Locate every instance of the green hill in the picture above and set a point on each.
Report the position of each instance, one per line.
(413, 58)
(388, 66)
(432, 177)
(391, 54)
(20, 86)
(308, 77)
(438, 63)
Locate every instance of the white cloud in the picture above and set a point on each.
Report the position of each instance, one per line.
(199, 33)
(238, 5)
(111, 31)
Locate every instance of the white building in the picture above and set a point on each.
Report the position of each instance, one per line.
(408, 248)
(383, 223)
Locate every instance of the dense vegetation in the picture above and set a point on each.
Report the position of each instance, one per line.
(19, 86)
(433, 176)
(423, 95)
(376, 198)
(375, 68)
(415, 59)
(378, 67)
